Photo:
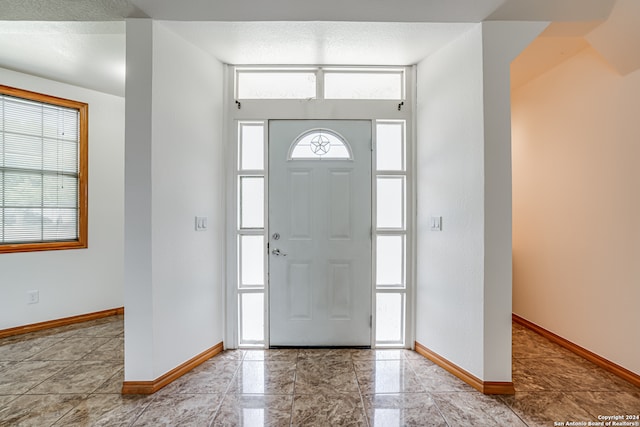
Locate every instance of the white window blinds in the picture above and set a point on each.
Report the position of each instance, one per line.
(39, 171)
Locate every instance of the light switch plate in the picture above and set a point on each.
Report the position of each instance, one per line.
(436, 223)
(201, 223)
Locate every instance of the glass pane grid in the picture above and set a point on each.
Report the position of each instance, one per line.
(390, 313)
(251, 206)
(390, 195)
(390, 261)
(373, 85)
(276, 84)
(251, 146)
(391, 146)
(250, 192)
(251, 318)
(315, 83)
(391, 232)
(251, 261)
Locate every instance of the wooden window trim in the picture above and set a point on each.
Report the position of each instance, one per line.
(83, 158)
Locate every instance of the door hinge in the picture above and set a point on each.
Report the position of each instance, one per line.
(370, 320)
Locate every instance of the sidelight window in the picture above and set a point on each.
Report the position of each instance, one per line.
(250, 191)
(391, 233)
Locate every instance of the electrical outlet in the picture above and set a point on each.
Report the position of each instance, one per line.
(33, 297)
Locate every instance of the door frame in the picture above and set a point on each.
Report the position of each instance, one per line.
(312, 109)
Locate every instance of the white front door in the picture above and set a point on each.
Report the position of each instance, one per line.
(320, 233)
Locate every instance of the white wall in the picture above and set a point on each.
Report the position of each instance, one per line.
(502, 42)
(464, 175)
(177, 295)
(450, 183)
(576, 206)
(138, 283)
(79, 281)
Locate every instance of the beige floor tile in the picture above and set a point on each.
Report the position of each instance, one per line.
(607, 403)
(74, 348)
(113, 385)
(435, 379)
(108, 410)
(403, 409)
(362, 355)
(23, 376)
(18, 350)
(184, 410)
(284, 355)
(212, 378)
(256, 377)
(254, 410)
(112, 349)
(326, 355)
(73, 375)
(545, 408)
(387, 376)
(79, 377)
(38, 410)
(336, 409)
(323, 376)
(6, 398)
(107, 329)
(475, 409)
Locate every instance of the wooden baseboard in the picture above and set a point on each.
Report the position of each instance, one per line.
(618, 370)
(60, 322)
(150, 387)
(486, 387)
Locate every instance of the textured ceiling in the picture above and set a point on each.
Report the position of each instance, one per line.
(306, 10)
(376, 10)
(67, 10)
(322, 43)
(325, 10)
(86, 54)
(91, 54)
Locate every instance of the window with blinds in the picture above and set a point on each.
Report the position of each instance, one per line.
(43, 172)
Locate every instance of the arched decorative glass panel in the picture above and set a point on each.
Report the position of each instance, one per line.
(318, 144)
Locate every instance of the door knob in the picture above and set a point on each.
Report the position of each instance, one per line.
(277, 252)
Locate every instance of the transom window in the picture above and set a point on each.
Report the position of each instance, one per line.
(364, 84)
(339, 83)
(317, 144)
(43, 172)
(275, 84)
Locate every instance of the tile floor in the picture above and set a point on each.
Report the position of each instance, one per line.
(71, 376)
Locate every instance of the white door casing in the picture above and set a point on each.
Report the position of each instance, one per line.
(320, 209)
